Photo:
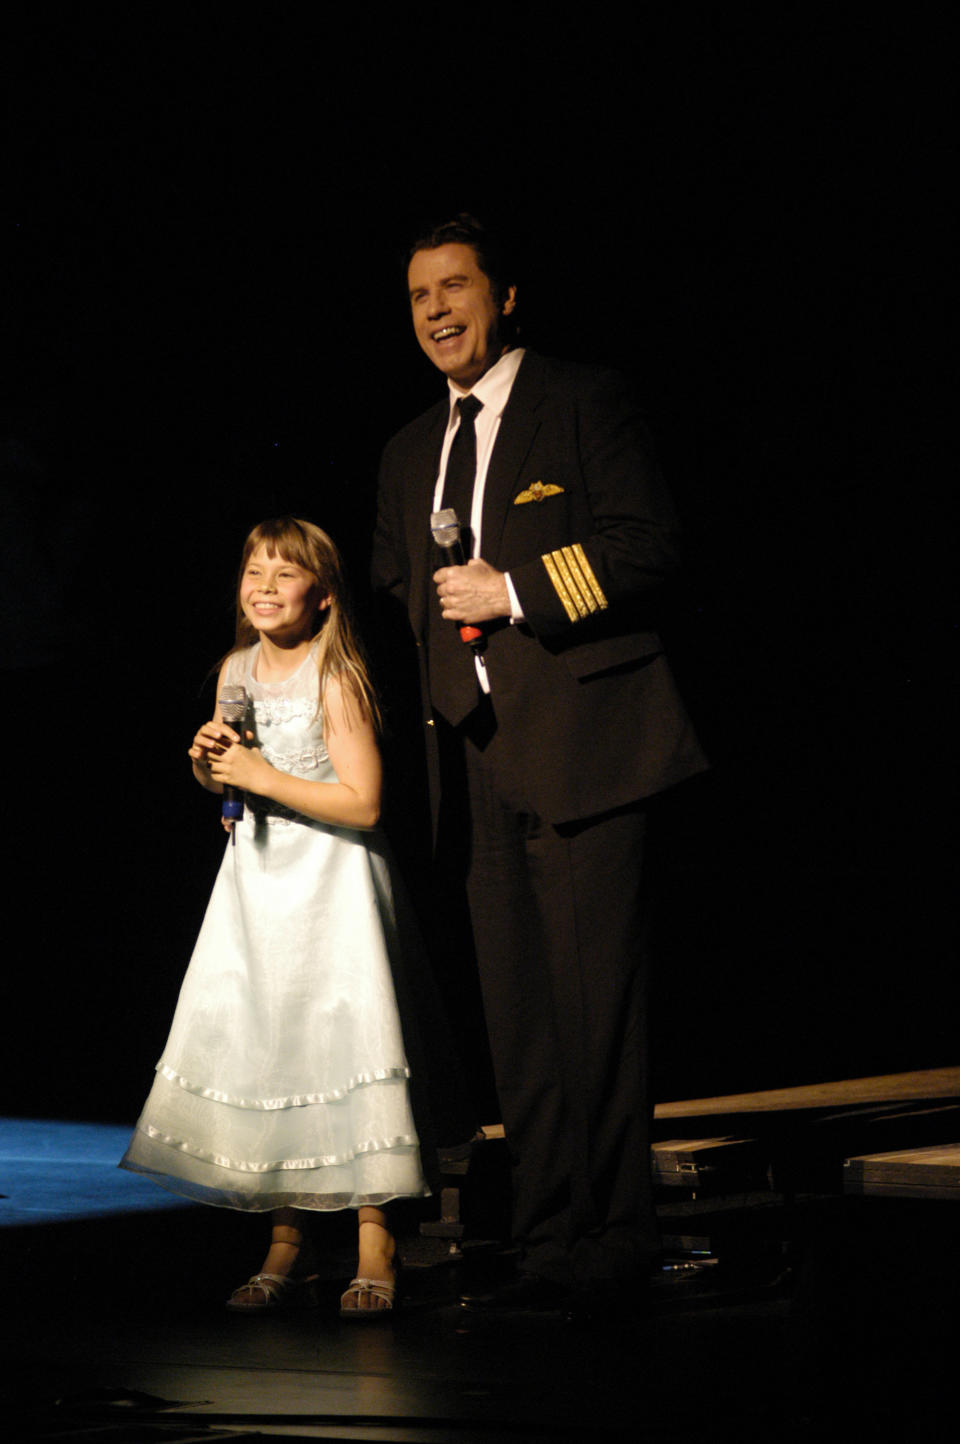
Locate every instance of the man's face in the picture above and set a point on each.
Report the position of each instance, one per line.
(455, 316)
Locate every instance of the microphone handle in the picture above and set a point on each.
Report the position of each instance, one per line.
(233, 796)
(233, 706)
(471, 635)
(232, 808)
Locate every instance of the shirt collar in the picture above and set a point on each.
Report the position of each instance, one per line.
(494, 386)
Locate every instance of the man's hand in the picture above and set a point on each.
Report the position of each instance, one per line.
(474, 593)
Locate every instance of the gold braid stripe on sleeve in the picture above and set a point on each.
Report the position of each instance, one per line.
(559, 587)
(574, 581)
(573, 591)
(592, 590)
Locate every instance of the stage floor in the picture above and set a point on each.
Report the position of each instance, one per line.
(117, 1331)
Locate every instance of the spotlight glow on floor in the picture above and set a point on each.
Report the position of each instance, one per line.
(53, 1170)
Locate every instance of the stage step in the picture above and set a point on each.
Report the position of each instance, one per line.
(909, 1173)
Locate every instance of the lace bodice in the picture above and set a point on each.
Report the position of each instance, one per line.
(286, 722)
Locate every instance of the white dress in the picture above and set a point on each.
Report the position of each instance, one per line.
(284, 1079)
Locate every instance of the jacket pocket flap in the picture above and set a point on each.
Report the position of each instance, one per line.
(605, 654)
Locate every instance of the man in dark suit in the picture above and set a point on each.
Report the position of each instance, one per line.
(545, 739)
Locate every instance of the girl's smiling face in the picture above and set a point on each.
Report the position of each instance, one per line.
(280, 599)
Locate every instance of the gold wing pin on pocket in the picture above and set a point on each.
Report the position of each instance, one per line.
(537, 491)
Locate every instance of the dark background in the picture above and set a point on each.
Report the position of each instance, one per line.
(206, 325)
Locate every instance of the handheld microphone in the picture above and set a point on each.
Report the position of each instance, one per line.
(445, 530)
(233, 705)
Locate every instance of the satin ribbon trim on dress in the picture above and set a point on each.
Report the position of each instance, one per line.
(292, 1100)
(383, 1145)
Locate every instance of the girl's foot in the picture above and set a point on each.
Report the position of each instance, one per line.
(286, 1279)
(273, 1291)
(368, 1299)
(373, 1291)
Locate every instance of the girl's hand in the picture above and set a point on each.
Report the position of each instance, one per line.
(212, 739)
(241, 767)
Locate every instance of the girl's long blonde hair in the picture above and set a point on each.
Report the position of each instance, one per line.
(339, 653)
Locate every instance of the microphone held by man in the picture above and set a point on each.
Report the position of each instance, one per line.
(445, 530)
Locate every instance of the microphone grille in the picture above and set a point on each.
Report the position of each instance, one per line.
(445, 527)
(233, 704)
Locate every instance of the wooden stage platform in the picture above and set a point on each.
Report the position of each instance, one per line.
(926, 1085)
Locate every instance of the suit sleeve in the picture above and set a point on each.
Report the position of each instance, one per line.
(389, 567)
(611, 538)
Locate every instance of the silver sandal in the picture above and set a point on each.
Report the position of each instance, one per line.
(274, 1291)
(361, 1288)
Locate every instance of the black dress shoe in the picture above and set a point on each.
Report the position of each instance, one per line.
(529, 1294)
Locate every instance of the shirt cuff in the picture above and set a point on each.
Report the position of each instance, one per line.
(516, 611)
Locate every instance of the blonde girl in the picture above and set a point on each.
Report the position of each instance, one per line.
(283, 1085)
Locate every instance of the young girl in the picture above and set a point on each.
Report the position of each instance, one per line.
(283, 1085)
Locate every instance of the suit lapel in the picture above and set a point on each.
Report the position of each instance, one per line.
(518, 427)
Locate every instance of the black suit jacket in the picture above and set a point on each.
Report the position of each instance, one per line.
(588, 716)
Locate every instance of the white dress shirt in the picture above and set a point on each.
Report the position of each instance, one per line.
(493, 389)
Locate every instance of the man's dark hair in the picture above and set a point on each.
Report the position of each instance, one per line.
(491, 253)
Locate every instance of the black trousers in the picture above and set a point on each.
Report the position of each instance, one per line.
(558, 921)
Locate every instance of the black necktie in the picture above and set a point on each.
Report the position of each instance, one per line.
(461, 470)
(454, 690)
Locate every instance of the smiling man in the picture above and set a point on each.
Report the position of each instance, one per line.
(458, 318)
(547, 736)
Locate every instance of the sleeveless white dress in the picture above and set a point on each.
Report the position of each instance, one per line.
(284, 1079)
